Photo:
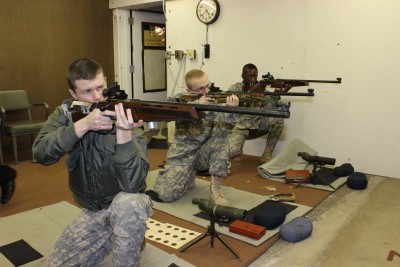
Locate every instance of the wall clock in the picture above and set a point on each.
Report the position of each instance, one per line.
(208, 11)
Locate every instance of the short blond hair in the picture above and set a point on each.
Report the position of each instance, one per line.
(193, 74)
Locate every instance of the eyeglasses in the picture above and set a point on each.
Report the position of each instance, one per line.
(250, 76)
(201, 88)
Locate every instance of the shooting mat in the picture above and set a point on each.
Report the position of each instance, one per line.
(185, 210)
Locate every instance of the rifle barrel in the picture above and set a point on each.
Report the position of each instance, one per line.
(338, 80)
(310, 93)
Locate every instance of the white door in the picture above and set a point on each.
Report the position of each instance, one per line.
(137, 59)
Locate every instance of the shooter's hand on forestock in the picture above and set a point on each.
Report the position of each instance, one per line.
(125, 120)
(205, 100)
(283, 87)
(124, 123)
(232, 100)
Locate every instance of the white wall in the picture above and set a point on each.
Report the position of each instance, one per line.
(357, 40)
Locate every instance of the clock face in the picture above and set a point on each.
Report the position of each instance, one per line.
(207, 11)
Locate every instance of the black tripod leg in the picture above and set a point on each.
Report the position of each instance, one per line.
(226, 245)
(323, 179)
(200, 237)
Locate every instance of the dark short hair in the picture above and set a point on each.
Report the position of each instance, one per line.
(83, 68)
(249, 66)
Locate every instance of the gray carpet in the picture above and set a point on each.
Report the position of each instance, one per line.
(41, 227)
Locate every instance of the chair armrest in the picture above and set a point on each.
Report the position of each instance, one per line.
(45, 105)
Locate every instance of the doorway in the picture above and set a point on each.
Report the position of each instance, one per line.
(147, 56)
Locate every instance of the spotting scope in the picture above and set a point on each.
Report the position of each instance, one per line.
(219, 211)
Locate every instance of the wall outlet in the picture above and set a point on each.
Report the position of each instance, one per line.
(191, 54)
(178, 54)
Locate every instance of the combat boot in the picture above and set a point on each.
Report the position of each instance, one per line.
(217, 197)
(237, 159)
(266, 156)
(192, 181)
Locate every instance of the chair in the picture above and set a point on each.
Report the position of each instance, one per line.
(16, 101)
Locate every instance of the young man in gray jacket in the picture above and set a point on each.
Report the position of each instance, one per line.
(107, 168)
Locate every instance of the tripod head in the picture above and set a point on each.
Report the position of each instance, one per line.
(316, 161)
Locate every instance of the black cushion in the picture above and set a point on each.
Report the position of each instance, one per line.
(344, 170)
(271, 217)
(357, 181)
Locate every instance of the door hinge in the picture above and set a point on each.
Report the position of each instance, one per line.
(131, 68)
(130, 21)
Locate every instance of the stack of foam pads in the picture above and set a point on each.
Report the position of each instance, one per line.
(288, 159)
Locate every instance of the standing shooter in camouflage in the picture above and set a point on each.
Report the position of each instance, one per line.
(107, 172)
(198, 145)
(272, 127)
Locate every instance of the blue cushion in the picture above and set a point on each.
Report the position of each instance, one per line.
(296, 230)
(357, 181)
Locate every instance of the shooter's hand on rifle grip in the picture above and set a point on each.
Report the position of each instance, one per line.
(258, 88)
(95, 121)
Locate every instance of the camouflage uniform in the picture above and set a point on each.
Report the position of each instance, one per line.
(108, 180)
(198, 145)
(94, 234)
(272, 127)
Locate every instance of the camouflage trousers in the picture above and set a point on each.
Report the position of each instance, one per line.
(272, 127)
(120, 229)
(188, 155)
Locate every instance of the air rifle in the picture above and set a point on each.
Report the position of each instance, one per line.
(153, 111)
(244, 97)
(269, 80)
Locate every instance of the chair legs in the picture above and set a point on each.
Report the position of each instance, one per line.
(1, 152)
(14, 141)
(15, 149)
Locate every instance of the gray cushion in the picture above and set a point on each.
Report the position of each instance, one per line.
(296, 230)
